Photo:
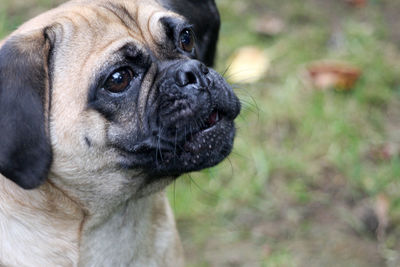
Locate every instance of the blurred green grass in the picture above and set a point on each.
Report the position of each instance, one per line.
(296, 188)
(294, 143)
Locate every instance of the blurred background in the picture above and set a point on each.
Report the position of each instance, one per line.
(314, 178)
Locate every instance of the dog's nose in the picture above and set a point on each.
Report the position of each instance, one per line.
(192, 74)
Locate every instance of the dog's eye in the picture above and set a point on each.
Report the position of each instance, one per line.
(187, 40)
(119, 80)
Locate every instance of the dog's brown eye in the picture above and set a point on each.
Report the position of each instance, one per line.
(187, 40)
(119, 80)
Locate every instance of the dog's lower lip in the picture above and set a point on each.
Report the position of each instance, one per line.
(212, 121)
(192, 143)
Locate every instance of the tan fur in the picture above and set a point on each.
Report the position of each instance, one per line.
(88, 213)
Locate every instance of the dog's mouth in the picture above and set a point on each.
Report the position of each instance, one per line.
(207, 126)
(198, 148)
(201, 148)
(213, 119)
(198, 142)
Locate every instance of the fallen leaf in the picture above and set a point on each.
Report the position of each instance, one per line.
(247, 65)
(357, 3)
(383, 152)
(269, 25)
(341, 76)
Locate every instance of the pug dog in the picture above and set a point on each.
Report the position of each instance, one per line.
(103, 103)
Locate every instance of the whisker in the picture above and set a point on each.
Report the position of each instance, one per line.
(174, 193)
(234, 152)
(226, 70)
(230, 162)
(159, 145)
(214, 196)
(249, 78)
(190, 184)
(175, 144)
(191, 131)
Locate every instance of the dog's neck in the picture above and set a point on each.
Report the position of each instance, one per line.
(140, 229)
(38, 227)
(44, 227)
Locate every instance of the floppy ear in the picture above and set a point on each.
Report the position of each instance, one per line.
(25, 151)
(204, 16)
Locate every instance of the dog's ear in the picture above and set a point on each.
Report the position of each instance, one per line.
(205, 18)
(25, 150)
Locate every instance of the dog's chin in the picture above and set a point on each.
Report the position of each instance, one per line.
(200, 149)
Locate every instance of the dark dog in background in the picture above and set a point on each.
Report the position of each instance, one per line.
(104, 103)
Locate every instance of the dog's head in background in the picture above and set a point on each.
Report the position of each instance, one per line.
(111, 100)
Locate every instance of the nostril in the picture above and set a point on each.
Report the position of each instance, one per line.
(185, 78)
(191, 77)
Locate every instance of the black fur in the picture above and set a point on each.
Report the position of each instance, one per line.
(204, 16)
(25, 151)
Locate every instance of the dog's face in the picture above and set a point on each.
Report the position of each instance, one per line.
(106, 98)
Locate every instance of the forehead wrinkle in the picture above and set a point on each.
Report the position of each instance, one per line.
(107, 28)
(125, 21)
(149, 19)
(101, 26)
(156, 32)
(77, 14)
(151, 33)
(125, 18)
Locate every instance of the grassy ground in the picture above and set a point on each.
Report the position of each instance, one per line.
(310, 181)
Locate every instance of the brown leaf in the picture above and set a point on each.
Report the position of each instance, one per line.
(383, 152)
(333, 74)
(357, 3)
(269, 25)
